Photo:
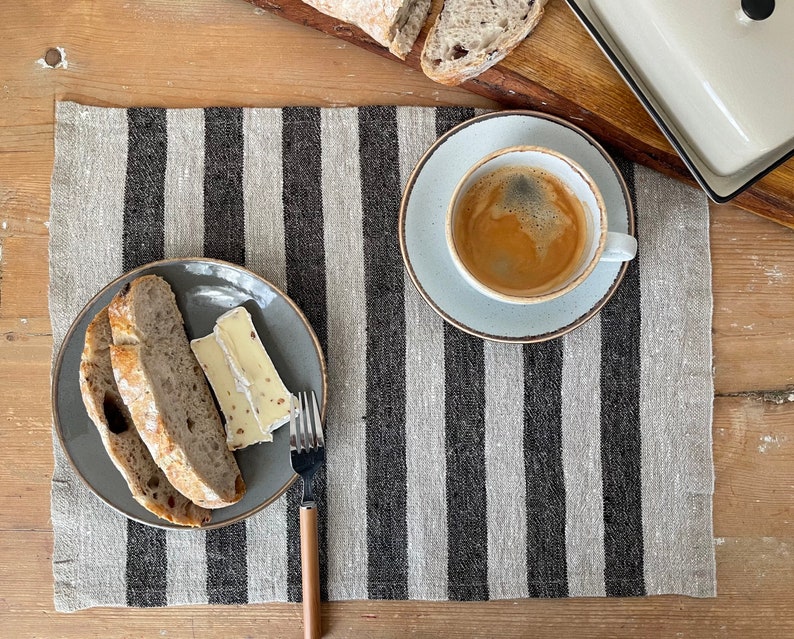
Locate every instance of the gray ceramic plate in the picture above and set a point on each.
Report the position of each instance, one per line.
(423, 240)
(204, 290)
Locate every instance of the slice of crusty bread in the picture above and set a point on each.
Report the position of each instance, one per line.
(167, 394)
(129, 454)
(469, 36)
(391, 23)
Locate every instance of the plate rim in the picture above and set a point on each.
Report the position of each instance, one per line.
(406, 196)
(70, 334)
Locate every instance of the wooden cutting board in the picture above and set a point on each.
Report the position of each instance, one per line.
(558, 69)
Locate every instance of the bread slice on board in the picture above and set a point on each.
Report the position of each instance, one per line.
(167, 395)
(469, 36)
(149, 486)
(391, 23)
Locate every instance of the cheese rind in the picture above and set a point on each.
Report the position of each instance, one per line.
(253, 370)
(242, 429)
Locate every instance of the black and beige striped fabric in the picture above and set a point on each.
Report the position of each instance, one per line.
(457, 469)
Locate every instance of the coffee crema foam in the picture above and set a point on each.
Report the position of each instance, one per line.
(520, 231)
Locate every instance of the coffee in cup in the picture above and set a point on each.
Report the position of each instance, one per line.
(527, 224)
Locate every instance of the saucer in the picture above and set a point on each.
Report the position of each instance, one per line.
(422, 227)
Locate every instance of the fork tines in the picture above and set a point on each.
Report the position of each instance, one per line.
(305, 427)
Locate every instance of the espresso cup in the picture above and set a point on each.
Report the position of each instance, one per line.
(527, 224)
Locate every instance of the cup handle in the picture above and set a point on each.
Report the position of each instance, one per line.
(619, 247)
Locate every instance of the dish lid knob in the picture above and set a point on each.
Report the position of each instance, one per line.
(758, 9)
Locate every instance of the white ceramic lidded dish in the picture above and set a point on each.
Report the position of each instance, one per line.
(717, 76)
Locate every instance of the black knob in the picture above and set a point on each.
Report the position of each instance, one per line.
(758, 9)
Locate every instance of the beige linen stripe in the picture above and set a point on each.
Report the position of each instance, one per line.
(424, 398)
(184, 184)
(266, 532)
(344, 270)
(187, 567)
(87, 209)
(504, 468)
(581, 460)
(86, 215)
(266, 537)
(183, 237)
(677, 388)
(262, 195)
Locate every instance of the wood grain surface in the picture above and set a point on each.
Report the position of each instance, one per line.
(559, 69)
(225, 52)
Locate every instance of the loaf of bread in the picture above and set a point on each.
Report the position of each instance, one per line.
(470, 36)
(167, 395)
(149, 486)
(391, 23)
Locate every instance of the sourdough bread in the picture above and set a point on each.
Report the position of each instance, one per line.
(149, 486)
(391, 23)
(469, 36)
(167, 395)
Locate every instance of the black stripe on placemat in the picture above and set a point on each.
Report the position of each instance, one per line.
(387, 532)
(224, 217)
(227, 565)
(620, 431)
(464, 375)
(147, 566)
(224, 239)
(547, 573)
(144, 189)
(467, 508)
(142, 242)
(449, 117)
(305, 260)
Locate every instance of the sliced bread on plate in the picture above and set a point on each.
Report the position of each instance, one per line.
(149, 486)
(167, 394)
(470, 36)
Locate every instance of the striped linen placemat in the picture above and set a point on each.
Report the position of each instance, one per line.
(457, 468)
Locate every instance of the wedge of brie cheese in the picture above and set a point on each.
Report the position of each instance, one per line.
(252, 369)
(249, 390)
(242, 429)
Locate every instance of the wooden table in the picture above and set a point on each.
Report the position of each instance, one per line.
(224, 52)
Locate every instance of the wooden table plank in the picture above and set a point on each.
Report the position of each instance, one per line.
(753, 449)
(753, 274)
(24, 264)
(223, 52)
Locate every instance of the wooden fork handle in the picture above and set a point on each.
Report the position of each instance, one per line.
(310, 574)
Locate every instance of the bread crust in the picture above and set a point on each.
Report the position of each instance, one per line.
(473, 63)
(132, 357)
(393, 24)
(148, 484)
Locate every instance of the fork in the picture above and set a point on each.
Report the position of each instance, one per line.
(307, 453)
